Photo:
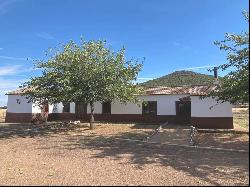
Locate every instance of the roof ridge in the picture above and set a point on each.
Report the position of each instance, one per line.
(180, 86)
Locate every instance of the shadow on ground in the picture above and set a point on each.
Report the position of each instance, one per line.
(23, 130)
(237, 141)
(12, 130)
(208, 165)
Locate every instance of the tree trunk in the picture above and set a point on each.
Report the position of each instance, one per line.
(44, 113)
(92, 119)
(46, 118)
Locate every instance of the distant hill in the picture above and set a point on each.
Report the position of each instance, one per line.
(180, 78)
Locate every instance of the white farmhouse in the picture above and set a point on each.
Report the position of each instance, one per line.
(180, 105)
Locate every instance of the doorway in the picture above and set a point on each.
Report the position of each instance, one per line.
(81, 110)
(183, 112)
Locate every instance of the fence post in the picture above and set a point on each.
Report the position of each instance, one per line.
(192, 136)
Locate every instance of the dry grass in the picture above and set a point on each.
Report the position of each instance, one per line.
(241, 117)
(2, 114)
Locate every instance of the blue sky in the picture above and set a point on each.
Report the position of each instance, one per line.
(170, 34)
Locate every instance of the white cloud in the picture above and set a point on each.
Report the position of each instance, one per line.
(14, 70)
(9, 70)
(8, 85)
(183, 46)
(4, 5)
(9, 80)
(199, 67)
(3, 100)
(145, 78)
(176, 44)
(45, 35)
(13, 58)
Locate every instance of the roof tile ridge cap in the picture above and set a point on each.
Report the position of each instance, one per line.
(158, 88)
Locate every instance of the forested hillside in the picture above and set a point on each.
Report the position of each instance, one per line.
(180, 78)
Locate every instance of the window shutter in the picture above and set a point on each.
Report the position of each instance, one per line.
(106, 107)
(66, 107)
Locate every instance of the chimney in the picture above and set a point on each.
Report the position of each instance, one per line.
(216, 72)
(216, 81)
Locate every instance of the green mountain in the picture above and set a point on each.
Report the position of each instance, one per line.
(180, 78)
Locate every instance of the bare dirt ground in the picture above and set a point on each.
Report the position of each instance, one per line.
(174, 134)
(74, 155)
(224, 140)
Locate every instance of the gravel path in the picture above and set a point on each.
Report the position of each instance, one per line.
(82, 157)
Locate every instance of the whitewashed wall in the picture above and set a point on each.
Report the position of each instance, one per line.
(53, 108)
(201, 108)
(35, 108)
(14, 107)
(25, 107)
(128, 108)
(165, 105)
(98, 108)
(72, 108)
(56, 108)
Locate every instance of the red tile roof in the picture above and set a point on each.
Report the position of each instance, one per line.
(17, 92)
(191, 90)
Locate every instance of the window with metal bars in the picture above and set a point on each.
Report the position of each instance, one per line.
(149, 107)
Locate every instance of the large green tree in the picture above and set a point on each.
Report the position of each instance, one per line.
(88, 72)
(235, 85)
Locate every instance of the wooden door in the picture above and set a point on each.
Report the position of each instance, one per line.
(183, 112)
(81, 110)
